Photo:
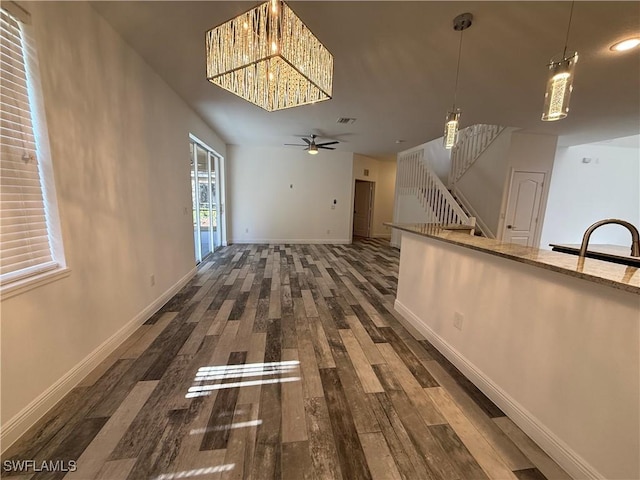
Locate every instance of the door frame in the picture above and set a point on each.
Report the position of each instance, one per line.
(372, 186)
(215, 162)
(195, 174)
(542, 207)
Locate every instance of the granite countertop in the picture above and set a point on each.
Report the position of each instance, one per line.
(605, 273)
(604, 251)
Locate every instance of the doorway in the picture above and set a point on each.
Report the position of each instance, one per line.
(205, 193)
(522, 224)
(363, 208)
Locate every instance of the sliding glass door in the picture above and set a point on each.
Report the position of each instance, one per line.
(204, 191)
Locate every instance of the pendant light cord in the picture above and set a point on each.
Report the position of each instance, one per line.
(566, 41)
(455, 90)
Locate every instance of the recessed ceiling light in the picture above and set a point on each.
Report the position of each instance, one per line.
(627, 44)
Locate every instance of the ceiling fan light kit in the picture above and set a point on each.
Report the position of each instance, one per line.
(311, 146)
(270, 58)
(452, 122)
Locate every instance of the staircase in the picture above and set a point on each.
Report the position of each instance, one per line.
(472, 142)
(446, 206)
(415, 177)
(478, 230)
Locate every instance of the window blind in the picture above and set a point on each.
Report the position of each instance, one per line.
(24, 239)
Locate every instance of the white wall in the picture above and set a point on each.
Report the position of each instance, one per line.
(410, 210)
(383, 173)
(120, 152)
(483, 183)
(530, 153)
(560, 355)
(386, 195)
(608, 186)
(439, 158)
(263, 207)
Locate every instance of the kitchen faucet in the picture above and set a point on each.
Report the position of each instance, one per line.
(635, 237)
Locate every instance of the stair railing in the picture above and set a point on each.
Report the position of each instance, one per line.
(415, 177)
(472, 142)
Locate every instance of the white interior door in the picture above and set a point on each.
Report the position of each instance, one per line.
(362, 208)
(523, 208)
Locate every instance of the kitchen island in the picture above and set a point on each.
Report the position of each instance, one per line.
(552, 339)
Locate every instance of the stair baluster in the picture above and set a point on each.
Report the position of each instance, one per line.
(473, 141)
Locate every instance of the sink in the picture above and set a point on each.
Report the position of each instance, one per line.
(609, 253)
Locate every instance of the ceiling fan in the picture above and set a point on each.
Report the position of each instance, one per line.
(311, 145)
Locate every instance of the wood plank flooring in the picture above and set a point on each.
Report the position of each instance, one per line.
(282, 362)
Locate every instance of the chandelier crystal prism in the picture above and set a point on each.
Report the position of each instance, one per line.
(268, 57)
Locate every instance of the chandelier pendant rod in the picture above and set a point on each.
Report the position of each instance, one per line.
(455, 90)
(566, 40)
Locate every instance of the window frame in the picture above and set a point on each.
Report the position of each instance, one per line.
(40, 274)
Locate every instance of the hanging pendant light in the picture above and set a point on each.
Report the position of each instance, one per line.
(560, 82)
(460, 23)
(451, 129)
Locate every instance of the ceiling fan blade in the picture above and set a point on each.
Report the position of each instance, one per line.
(326, 148)
(307, 140)
(296, 144)
(326, 143)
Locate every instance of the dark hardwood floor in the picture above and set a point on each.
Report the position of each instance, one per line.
(282, 362)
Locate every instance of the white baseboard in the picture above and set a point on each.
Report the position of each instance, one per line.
(18, 425)
(278, 241)
(563, 454)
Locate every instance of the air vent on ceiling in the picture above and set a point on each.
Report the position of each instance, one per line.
(346, 120)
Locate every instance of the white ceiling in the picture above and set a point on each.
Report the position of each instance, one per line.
(395, 67)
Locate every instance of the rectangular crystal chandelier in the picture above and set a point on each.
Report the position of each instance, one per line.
(270, 58)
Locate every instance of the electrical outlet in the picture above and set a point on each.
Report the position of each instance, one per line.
(458, 319)
(152, 279)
